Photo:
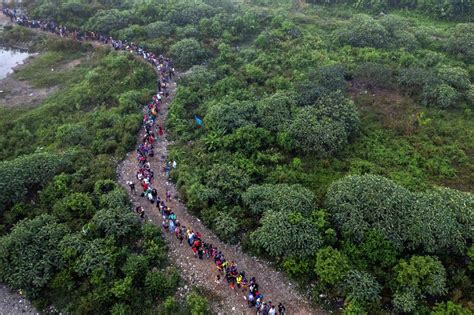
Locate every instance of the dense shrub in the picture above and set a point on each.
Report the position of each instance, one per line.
(30, 254)
(363, 31)
(461, 41)
(421, 275)
(331, 266)
(280, 197)
(26, 175)
(275, 112)
(187, 52)
(286, 233)
(436, 221)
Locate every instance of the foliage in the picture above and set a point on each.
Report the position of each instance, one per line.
(362, 287)
(449, 308)
(30, 254)
(286, 233)
(361, 203)
(275, 112)
(461, 41)
(331, 265)
(279, 198)
(363, 31)
(197, 304)
(421, 275)
(27, 174)
(187, 52)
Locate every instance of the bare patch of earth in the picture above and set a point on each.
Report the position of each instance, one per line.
(14, 92)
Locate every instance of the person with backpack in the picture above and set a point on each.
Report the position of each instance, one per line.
(281, 309)
(132, 187)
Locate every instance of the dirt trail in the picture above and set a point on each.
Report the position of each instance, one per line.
(202, 273)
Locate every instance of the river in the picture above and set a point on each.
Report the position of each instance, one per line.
(9, 58)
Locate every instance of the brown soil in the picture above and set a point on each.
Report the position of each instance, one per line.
(390, 108)
(202, 273)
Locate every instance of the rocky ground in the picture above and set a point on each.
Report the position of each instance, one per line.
(12, 303)
(202, 273)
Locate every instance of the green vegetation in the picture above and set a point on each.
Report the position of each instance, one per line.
(68, 235)
(337, 141)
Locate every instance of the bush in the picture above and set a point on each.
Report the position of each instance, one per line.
(73, 206)
(279, 197)
(363, 31)
(362, 287)
(374, 75)
(275, 112)
(357, 204)
(227, 227)
(286, 234)
(331, 266)
(421, 275)
(30, 255)
(450, 308)
(323, 137)
(159, 29)
(187, 52)
(27, 174)
(106, 21)
(461, 42)
(228, 182)
(197, 304)
(230, 116)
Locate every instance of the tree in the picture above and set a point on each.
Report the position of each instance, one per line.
(331, 265)
(420, 274)
(27, 174)
(229, 116)
(338, 108)
(74, 206)
(445, 220)
(324, 137)
(227, 227)
(197, 304)
(187, 52)
(107, 21)
(117, 223)
(69, 135)
(286, 233)
(358, 204)
(440, 95)
(30, 254)
(363, 31)
(279, 197)
(362, 287)
(159, 29)
(275, 112)
(227, 182)
(405, 301)
(461, 41)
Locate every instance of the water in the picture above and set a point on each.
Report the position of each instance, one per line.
(9, 58)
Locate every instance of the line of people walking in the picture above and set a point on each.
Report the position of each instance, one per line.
(226, 270)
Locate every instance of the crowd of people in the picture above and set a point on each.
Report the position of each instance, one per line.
(226, 271)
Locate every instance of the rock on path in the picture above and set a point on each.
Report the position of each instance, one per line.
(202, 273)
